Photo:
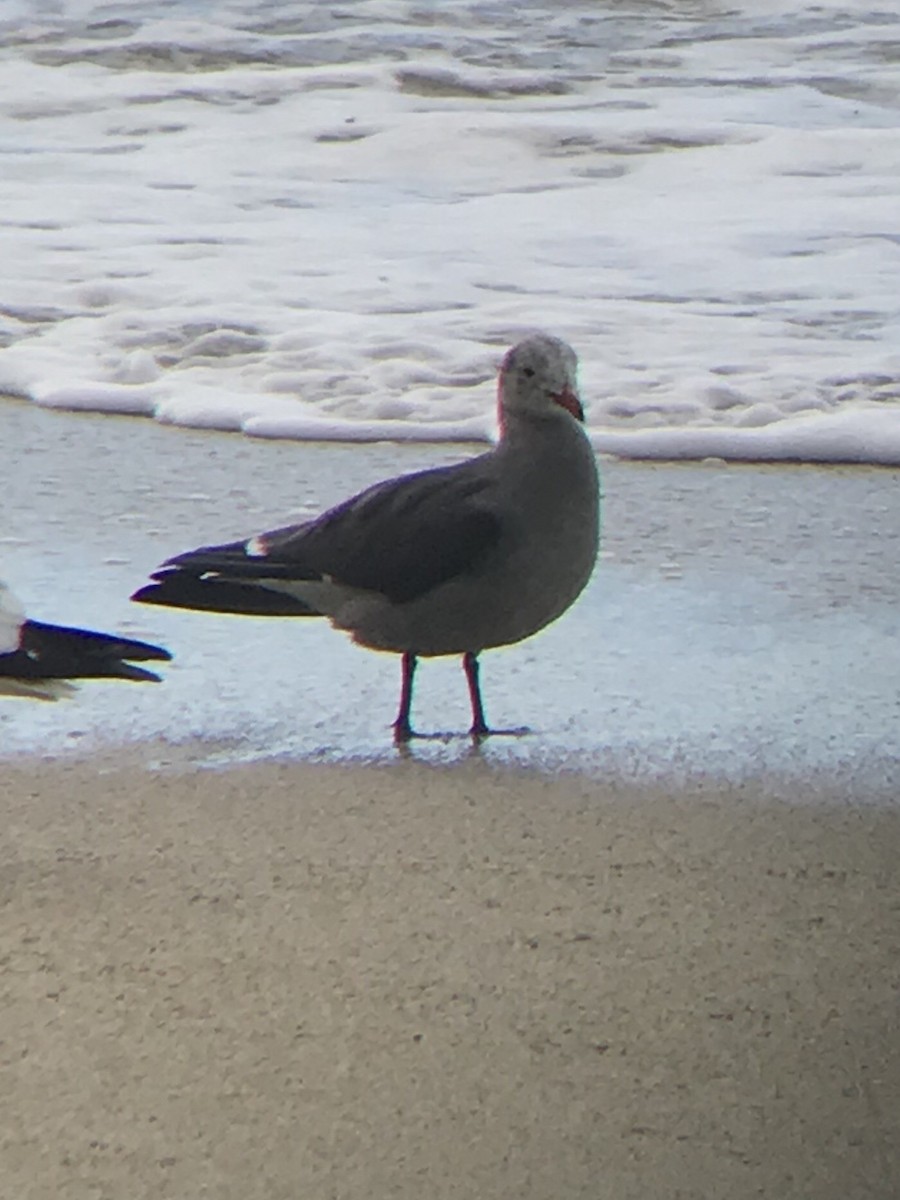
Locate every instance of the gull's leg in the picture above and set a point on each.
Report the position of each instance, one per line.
(402, 729)
(470, 666)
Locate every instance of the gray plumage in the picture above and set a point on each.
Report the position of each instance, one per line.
(452, 560)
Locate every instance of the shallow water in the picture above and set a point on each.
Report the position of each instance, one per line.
(741, 623)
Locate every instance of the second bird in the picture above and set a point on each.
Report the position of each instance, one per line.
(452, 560)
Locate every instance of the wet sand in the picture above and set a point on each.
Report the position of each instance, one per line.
(287, 979)
(649, 951)
(742, 619)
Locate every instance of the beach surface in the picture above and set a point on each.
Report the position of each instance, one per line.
(647, 951)
(288, 979)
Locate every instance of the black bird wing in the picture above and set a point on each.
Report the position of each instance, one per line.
(59, 652)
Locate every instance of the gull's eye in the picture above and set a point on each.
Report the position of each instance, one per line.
(528, 372)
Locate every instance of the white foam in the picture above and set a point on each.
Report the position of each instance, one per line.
(319, 429)
(854, 435)
(332, 228)
(97, 397)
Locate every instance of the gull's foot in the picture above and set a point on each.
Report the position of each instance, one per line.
(479, 732)
(414, 735)
(403, 732)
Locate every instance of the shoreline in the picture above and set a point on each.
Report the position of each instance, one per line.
(876, 784)
(739, 621)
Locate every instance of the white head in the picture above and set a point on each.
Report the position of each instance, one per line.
(538, 378)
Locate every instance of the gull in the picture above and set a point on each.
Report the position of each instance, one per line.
(38, 661)
(453, 560)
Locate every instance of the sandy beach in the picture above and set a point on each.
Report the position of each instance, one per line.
(291, 980)
(648, 951)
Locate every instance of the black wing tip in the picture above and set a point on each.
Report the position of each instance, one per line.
(42, 638)
(182, 589)
(127, 670)
(145, 652)
(197, 559)
(147, 594)
(32, 667)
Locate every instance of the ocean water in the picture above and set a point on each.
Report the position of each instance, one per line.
(327, 221)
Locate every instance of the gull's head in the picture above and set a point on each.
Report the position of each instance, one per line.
(538, 378)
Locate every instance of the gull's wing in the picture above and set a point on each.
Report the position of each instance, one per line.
(35, 658)
(400, 538)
